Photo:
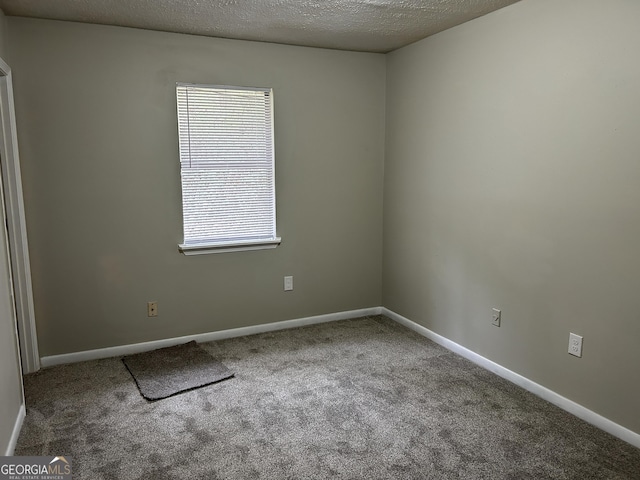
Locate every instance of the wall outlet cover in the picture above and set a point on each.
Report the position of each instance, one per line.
(152, 309)
(575, 345)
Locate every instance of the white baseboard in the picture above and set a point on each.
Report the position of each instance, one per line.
(202, 337)
(542, 392)
(537, 389)
(17, 427)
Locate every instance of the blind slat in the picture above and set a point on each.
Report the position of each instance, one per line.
(227, 163)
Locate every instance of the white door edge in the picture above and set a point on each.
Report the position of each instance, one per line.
(16, 226)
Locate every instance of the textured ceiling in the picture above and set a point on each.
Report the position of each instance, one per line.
(361, 25)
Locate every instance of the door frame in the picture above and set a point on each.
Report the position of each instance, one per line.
(16, 225)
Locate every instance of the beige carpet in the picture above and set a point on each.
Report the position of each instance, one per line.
(363, 398)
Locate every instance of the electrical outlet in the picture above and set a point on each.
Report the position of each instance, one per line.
(288, 283)
(152, 309)
(575, 344)
(496, 317)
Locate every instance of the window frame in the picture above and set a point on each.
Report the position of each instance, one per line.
(199, 248)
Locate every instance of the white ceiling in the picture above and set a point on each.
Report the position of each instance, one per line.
(360, 25)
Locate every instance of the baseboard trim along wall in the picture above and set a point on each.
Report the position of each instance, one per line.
(203, 337)
(570, 406)
(17, 428)
(543, 392)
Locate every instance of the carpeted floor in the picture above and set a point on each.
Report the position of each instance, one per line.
(363, 398)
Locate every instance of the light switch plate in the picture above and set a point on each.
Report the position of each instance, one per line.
(497, 316)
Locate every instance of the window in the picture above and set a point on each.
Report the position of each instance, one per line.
(227, 168)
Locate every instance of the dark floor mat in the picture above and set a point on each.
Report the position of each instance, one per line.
(168, 371)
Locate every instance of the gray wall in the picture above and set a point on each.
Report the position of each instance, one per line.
(98, 137)
(10, 385)
(512, 179)
(3, 36)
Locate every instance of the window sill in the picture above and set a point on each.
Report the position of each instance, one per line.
(206, 248)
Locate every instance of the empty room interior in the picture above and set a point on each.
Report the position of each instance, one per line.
(451, 287)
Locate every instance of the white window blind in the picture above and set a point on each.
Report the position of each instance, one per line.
(227, 167)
